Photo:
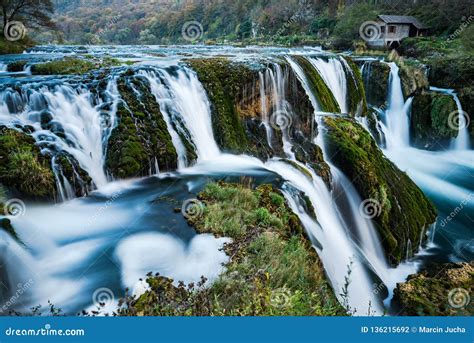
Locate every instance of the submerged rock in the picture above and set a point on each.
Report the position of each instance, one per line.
(439, 290)
(399, 209)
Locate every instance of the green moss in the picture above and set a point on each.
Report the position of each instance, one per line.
(222, 80)
(356, 91)
(16, 66)
(429, 292)
(16, 47)
(141, 135)
(318, 87)
(273, 268)
(404, 211)
(430, 119)
(413, 78)
(23, 168)
(72, 65)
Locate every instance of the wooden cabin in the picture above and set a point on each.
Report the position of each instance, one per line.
(393, 28)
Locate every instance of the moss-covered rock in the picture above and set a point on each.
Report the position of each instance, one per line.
(141, 136)
(466, 96)
(72, 65)
(77, 177)
(23, 169)
(235, 93)
(15, 47)
(413, 77)
(402, 210)
(429, 127)
(273, 269)
(16, 66)
(439, 290)
(376, 77)
(356, 91)
(318, 87)
(223, 82)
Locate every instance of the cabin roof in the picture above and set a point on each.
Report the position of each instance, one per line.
(401, 19)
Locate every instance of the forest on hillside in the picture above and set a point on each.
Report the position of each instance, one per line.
(220, 21)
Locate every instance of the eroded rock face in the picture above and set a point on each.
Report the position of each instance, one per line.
(402, 211)
(439, 290)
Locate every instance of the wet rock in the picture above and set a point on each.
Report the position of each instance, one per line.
(398, 208)
(430, 124)
(439, 290)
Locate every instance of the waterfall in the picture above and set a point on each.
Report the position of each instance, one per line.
(462, 141)
(263, 86)
(65, 119)
(333, 74)
(360, 295)
(275, 84)
(396, 115)
(193, 107)
(169, 109)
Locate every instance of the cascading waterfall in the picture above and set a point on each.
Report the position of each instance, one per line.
(342, 238)
(65, 119)
(360, 295)
(396, 115)
(168, 108)
(194, 109)
(274, 82)
(333, 74)
(462, 141)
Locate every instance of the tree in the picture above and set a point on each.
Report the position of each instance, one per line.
(32, 13)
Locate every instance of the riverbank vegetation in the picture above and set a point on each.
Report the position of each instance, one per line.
(273, 269)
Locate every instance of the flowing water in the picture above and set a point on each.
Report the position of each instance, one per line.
(113, 237)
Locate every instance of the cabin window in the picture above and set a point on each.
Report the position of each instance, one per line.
(392, 29)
